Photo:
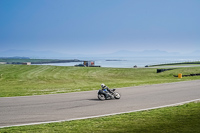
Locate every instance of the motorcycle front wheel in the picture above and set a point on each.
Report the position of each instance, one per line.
(117, 95)
(101, 97)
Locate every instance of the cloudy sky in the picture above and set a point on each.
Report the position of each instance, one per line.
(100, 26)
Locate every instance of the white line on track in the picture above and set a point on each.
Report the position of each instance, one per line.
(37, 123)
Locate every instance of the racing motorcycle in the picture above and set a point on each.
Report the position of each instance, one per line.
(105, 95)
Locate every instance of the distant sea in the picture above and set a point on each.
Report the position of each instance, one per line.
(129, 62)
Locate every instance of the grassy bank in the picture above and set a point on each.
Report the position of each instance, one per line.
(22, 80)
(35, 61)
(179, 119)
(177, 64)
(10, 60)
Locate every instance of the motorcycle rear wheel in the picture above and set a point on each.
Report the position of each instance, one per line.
(101, 97)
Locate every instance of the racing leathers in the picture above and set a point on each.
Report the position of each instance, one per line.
(107, 91)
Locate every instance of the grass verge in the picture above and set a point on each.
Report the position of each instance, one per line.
(179, 64)
(22, 80)
(178, 119)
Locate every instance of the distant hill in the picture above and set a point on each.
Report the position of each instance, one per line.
(15, 57)
(31, 54)
(144, 53)
(195, 53)
(122, 53)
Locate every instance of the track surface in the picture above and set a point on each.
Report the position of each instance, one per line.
(45, 108)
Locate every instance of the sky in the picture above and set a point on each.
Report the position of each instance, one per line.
(100, 26)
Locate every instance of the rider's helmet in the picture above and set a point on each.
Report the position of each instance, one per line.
(103, 85)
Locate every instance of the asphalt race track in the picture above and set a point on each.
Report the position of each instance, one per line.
(60, 107)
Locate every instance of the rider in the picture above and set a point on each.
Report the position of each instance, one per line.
(106, 89)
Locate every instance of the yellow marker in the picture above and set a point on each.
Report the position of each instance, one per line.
(180, 75)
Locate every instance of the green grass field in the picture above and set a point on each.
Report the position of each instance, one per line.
(179, 119)
(22, 80)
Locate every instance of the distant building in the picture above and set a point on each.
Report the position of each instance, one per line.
(3, 62)
(88, 64)
(26, 63)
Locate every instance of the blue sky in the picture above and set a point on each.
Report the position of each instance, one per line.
(100, 26)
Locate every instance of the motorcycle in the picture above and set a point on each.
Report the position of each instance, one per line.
(105, 95)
